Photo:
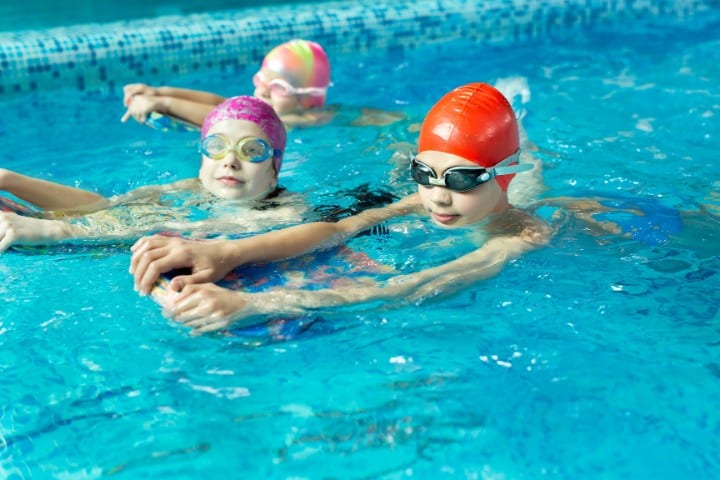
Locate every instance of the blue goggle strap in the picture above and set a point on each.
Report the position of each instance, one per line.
(504, 167)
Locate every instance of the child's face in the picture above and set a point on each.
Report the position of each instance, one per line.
(451, 209)
(232, 177)
(280, 101)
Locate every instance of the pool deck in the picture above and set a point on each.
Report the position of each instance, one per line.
(105, 56)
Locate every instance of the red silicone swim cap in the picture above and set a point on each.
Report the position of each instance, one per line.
(475, 122)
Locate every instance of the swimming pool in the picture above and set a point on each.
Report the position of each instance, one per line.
(43, 14)
(596, 357)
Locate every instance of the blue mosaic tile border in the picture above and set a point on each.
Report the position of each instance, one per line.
(105, 56)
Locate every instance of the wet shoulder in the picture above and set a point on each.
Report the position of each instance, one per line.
(520, 223)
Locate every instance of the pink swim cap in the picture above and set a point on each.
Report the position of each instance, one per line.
(253, 110)
(475, 122)
(303, 64)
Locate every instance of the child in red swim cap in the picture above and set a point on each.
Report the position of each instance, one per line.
(468, 155)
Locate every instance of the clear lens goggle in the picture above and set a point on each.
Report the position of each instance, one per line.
(283, 88)
(463, 179)
(249, 149)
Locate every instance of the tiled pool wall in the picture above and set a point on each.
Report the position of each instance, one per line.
(104, 56)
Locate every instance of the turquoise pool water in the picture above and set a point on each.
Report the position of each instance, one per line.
(596, 357)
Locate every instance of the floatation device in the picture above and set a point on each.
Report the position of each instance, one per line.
(11, 206)
(642, 219)
(316, 271)
(169, 123)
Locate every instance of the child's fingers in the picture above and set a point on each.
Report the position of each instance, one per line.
(147, 243)
(179, 282)
(133, 89)
(141, 268)
(154, 255)
(148, 270)
(188, 307)
(5, 241)
(212, 326)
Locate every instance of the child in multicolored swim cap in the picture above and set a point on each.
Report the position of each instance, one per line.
(469, 152)
(293, 79)
(242, 145)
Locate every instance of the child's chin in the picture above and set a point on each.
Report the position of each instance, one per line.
(230, 194)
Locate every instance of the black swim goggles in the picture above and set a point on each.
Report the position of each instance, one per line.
(464, 179)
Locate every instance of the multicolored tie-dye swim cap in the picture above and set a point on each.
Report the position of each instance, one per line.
(303, 64)
(253, 110)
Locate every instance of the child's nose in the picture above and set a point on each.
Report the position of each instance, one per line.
(441, 196)
(262, 91)
(231, 160)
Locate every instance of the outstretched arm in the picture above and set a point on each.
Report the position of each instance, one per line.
(199, 96)
(79, 221)
(47, 195)
(210, 261)
(18, 230)
(189, 110)
(208, 307)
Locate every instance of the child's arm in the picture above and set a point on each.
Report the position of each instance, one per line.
(210, 260)
(47, 195)
(207, 307)
(18, 230)
(21, 230)
(376, 117)
(198, 96)
(94, 221)
(189, 110)
(313, 117)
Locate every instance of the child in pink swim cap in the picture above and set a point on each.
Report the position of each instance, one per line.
(242, 145)
(293, 79)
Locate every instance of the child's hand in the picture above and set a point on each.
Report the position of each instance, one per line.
(140, 106)
(157, 254)
(18, 230)
(207, 307)
(133, 89)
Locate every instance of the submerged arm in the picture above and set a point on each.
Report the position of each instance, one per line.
(100, 222)
(102, 229)
(440, 281)
(300, 239)
(209, 307)
(211, 260)
(18, 230)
